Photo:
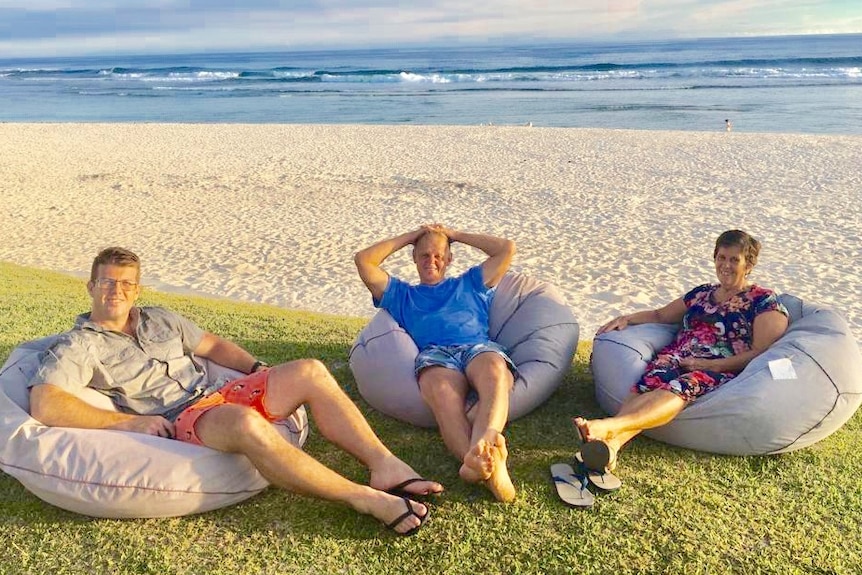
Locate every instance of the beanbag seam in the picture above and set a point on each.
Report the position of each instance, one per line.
(838, 395)
(523, 363)
(535, 331)
(520, 299)
(122, 486)
(607, 340)
(365, 343)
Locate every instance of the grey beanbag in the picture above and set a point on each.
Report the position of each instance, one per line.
(118, 474)
(529, 317)
(752, 414)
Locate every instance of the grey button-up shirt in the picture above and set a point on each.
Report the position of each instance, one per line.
(152, 374)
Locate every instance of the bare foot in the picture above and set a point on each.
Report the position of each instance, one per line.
(612, 462)
(499, 483)
(478, 463)
(596, 430)
(592, 429)
(392, 471)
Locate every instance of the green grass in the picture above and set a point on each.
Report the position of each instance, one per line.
(678, 512)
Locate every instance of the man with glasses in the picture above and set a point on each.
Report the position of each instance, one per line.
(142, 358)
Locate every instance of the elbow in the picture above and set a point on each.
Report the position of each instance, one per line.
(38, 404)
(359, 259)
(47, 405)
(509, 249)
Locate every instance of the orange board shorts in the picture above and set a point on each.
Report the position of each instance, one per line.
(249, 390)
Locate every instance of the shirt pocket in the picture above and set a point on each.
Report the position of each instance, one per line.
(163, 345)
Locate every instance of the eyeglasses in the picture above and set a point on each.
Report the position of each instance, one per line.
(107, 284)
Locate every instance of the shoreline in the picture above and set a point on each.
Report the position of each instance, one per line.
(618, 220)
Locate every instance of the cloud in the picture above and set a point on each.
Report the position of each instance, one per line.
(53, 27)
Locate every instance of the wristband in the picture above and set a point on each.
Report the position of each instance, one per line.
(257, 365)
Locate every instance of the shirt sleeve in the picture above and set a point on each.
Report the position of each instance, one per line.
(768, 300)
(66, 364)
(477, 281)
(393, 299)
(692, 295)
(379, 303)
(190, 332)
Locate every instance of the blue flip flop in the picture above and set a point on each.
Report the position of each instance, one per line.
(571, 487)
(600, 478)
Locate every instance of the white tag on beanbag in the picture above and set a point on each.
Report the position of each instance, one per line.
(782, 369)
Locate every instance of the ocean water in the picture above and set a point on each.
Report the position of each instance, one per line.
(800, 84)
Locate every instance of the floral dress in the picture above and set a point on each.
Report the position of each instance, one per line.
(709, 331)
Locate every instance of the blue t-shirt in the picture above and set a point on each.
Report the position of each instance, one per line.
(453, 312)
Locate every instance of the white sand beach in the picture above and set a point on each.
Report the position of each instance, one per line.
(618, 220)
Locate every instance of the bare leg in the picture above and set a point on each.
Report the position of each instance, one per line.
(490, 376)
(638, 412)
(308, 382)
(239, 429)
(445, 390)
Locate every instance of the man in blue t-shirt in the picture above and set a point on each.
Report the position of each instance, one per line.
(457, 361)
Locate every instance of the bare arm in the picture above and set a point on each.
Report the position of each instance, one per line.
(55, 407)
(369, 260)
(671, 313)
(225, 352)
(767, 328)
(500, 252)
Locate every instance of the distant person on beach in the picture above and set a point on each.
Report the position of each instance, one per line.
(724, 326)
(141, 357)
(457, 362)
(728, 126)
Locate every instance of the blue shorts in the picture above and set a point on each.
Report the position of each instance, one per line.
(457, 357)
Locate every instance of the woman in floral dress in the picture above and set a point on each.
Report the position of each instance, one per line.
(724, 326)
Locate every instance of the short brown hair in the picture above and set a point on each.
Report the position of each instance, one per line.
(737, 238)
(430, 234)
(115, 256)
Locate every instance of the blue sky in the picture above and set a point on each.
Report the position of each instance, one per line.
(77, 27)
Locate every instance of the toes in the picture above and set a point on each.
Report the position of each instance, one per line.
(404, 524)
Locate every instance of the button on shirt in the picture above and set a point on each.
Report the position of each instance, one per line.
(152, 374)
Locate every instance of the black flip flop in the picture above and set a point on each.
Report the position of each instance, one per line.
(595, 453)
(399, 491)
(410, 511)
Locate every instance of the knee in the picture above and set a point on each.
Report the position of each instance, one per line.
(307, 371)
(494, 375)
(314, 369)
(245, 426)
(437, 392)
(247, 422)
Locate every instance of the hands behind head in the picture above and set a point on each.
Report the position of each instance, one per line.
(436, 229)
